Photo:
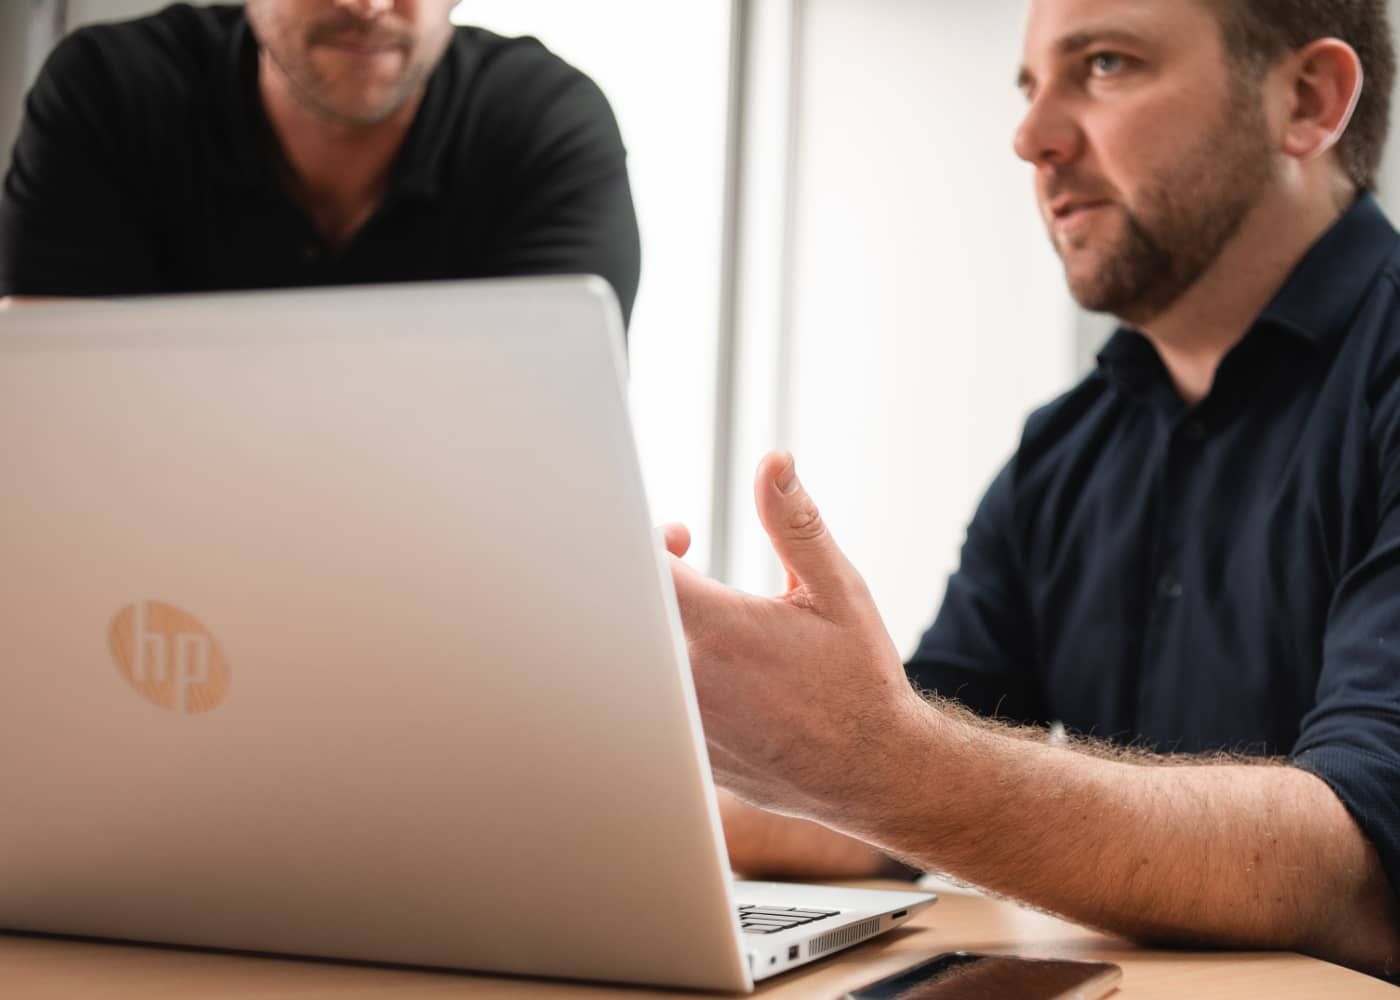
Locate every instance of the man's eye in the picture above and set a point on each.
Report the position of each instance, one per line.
(1106, 63)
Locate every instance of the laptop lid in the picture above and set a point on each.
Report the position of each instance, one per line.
(335, 625)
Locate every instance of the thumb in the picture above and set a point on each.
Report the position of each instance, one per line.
(798, 533)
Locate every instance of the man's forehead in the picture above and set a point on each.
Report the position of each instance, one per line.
(1053, 25)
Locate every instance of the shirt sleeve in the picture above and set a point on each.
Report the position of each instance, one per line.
(979, 649)
(72, 214)
(1351, 737)
(568, 208)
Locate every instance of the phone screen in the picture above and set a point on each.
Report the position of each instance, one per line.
(960, 976)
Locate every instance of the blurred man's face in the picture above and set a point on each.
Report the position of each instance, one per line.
(1149, 151)
(354, 62)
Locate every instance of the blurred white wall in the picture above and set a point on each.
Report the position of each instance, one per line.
(91, 11)
(27, 30)
(929, 313)
(14, 71)
(665, 69)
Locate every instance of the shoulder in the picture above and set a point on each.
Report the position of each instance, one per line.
(167, 46)
(147, 67)
(517, 88)
(521, 65)
(1368, 365)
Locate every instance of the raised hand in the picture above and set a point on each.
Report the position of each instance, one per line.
(791, 686)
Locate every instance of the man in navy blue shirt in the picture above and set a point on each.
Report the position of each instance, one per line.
(1193, 559)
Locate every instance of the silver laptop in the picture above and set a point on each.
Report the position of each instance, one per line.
(335, 624)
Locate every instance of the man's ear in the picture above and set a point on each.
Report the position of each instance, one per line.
(1325, 83)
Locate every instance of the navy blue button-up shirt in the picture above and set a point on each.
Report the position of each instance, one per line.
(1224, 576)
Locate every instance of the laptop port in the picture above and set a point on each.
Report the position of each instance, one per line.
(792, 952)
(901, 913)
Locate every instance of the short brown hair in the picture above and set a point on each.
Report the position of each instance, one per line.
(1259, 32)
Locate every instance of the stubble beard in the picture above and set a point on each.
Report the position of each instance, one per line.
(1182, 222)
(324, 98)
(340, 103)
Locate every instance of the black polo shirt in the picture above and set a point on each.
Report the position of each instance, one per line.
(1224, 576)
(145, 164)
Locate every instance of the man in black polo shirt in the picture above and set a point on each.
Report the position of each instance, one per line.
(310, 142)
(1194, 553)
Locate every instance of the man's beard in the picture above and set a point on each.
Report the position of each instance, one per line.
(345, 101)
(1183, 220)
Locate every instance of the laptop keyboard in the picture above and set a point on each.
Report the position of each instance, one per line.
(771, 919)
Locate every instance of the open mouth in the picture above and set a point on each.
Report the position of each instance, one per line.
(1073, 209)
(1070, 217)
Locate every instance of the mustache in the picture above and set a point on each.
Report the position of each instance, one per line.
(1070, 185)
(344, 28)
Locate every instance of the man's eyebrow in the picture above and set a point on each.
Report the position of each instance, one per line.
(1081, 40)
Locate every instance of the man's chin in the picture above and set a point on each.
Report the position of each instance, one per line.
(1098, 293)
(1088, 284)
(359, 110)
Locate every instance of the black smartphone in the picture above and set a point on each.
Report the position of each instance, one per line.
(963, 976)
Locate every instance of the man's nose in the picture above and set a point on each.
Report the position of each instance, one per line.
(1048, 134)
(366, 8)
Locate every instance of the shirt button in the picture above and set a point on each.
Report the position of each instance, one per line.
(1195, 430)
(1168, 587)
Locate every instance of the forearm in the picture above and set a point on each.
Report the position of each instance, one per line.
(1229, 854)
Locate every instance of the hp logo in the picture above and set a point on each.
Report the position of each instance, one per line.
(169, 657)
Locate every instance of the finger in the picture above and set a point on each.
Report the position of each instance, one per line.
(677, 538)
(799, 536)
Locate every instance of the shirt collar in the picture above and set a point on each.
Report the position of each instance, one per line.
(1130, 361)
(1315, 304)
(1322, 294)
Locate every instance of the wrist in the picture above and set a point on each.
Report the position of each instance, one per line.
(913, 742)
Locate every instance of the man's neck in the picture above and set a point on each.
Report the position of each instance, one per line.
(1200, 328)
(337, 172)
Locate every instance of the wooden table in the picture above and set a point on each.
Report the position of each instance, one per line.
(36, 968)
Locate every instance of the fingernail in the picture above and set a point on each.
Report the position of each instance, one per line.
(787, 479)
